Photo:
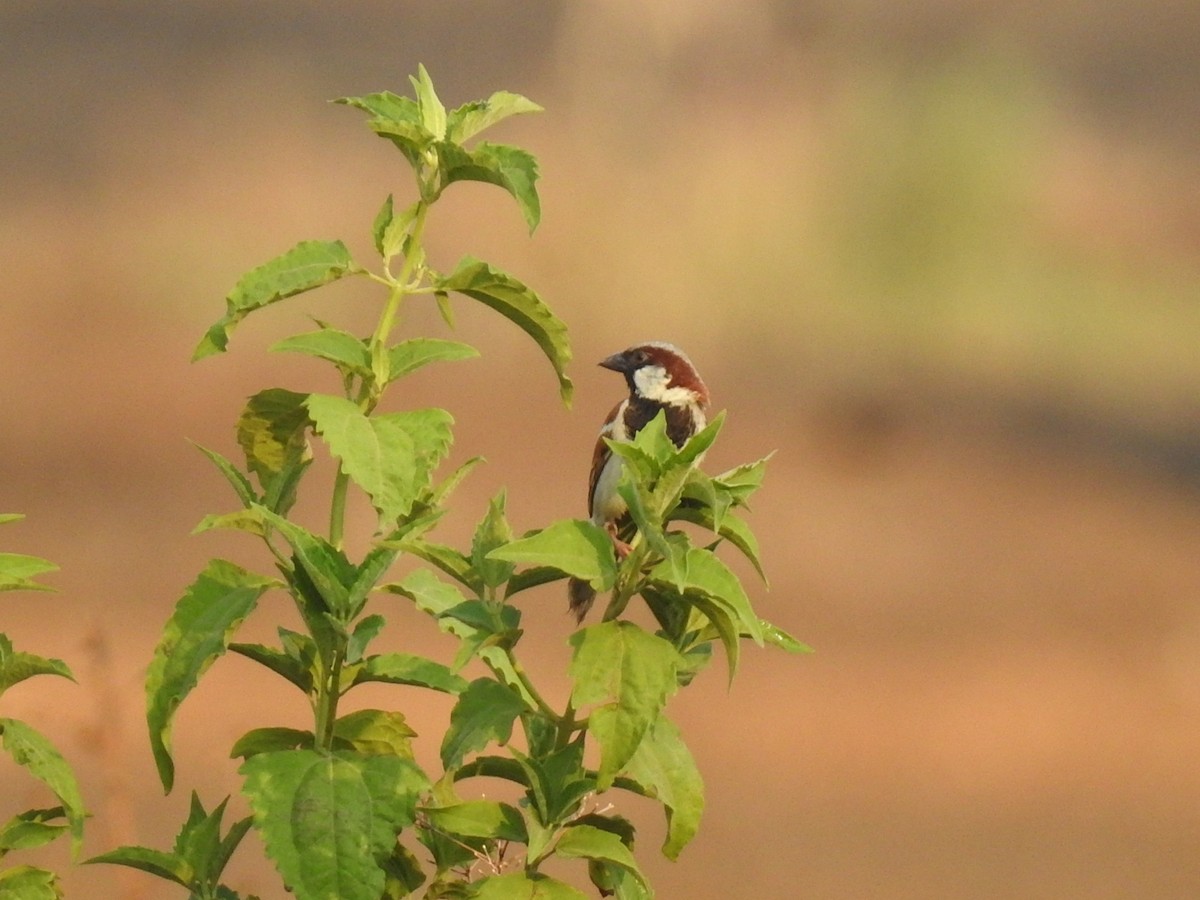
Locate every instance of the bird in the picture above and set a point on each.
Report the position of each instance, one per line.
(660, 378)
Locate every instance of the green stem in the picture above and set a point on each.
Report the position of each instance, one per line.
(327, 701)
(400, 286)
(337, 511)
(545, 708)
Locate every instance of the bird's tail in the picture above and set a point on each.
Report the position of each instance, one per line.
(580, 596)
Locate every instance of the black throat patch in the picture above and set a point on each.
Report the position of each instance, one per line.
(680, 419)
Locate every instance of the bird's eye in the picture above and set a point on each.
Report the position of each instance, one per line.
(640, 357)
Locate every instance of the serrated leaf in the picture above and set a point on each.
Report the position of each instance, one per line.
(273, 433)
(270, 740)
(511, 168)
(479, 819)
(433, 113)
(16, 666)
(663, 768)
(365, 631)
(308, 265)
(330, 820)
(700, 571)
(471, 118)
(744, 480)
(390, 228)
(17, 571)
(341, 348)
(408, 356)
(396, 118)
(589, 842)
(626, 674)
(198, 632)
(732, 529)
(29, 883)
(31, 750)
(325, 566)
(518, 303)
(163, 865)
(484, 714)
(491, 533)
(375, 732)
(445, 558)
(298, 672)
(405, 668)
(32, 828)
(573, 546)
(237, 480)
(524, 886)
(391, 456)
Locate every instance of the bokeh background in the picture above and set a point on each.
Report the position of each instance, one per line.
(943, 256)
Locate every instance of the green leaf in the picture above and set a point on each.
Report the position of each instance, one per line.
(168, 866)
(511, 168)
(270, 740)
(5, 518)
(341, 348)
(390, 229)
(484, 713)
(239, 482)
(433, 113)
(200, 845)
(408, 356)
(471, 118)
(589, 842)
(396, 118)
(17, 572)
(374, 732)
(365, 631)
(663, 768)
(445, 558)
(405, 668)
(30, 749)
(626, 673)
(330, 821)
(701, 572)
(437, 598)
(744, 480)
(16, 666)
(30, 829)
(524, 886)
(29, 883)
(775, 636)
(298, 670)
(492, 532)
(273, 433)
(479, 819)
(518, 303)
(308, 265)
(732, 528)
(326, 567)
(573, 546)
(390, 456)
(198, 632)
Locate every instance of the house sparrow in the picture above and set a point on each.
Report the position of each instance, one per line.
(660, 377)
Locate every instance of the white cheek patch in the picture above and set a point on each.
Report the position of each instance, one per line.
(654, 383)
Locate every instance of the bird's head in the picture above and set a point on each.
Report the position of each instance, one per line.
(661, 373)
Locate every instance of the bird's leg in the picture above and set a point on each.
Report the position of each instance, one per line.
(622, 548)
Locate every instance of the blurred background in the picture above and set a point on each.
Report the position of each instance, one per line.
(943, 257)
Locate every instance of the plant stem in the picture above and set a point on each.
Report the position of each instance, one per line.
(327, 701)
(518, 670)
(400, 286)
(337, 511)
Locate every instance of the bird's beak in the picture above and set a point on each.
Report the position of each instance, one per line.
(617, 362)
